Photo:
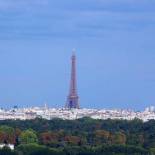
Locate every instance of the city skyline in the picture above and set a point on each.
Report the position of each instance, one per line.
(115, 50)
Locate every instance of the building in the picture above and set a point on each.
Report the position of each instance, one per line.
(73, 98)
(10, 146)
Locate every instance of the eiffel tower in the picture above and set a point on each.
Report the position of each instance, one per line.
(73, 98)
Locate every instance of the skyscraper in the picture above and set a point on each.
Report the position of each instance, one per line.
(73, 98)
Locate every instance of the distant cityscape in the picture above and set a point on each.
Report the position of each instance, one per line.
(71, 114)
(72, 110)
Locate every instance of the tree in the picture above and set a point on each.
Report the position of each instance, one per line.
(118, 138)
(7, 134)
(35, 149)
(152, 151)
(28, 136)
(72, 140)
(50, 138)
(101, 136)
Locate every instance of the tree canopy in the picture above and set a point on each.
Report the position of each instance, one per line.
(84, 136)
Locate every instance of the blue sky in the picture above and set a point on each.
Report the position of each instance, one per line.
(115, 47)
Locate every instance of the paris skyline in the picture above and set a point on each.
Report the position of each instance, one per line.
(114, 44)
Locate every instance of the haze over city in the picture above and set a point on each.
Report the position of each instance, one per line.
(114, 44)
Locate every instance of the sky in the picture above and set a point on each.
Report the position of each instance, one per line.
(115, 49)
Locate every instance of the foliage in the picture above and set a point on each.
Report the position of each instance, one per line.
(28, 136)
(7, 134)
(84, 136)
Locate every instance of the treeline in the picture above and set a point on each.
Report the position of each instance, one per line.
(84, 136)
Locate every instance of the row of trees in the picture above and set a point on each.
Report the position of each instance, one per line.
(35, 149)
(61, 137)
(82, 135)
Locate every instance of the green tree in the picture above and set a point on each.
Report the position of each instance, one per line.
(28, 136)
(7, 134)
(35, 149)
(152, 151)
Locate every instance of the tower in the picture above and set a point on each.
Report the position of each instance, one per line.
(73, 99)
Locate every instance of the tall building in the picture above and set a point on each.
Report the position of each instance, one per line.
(73, 98)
